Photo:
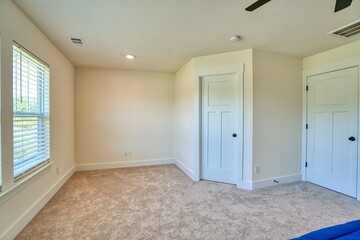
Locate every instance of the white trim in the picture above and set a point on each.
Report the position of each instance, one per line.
(16, 228)
(243, 152)
(186, 170)
(303, 127)
(123, 164)
(23, 182)
(270, 182)
(247, 185)
(347, 63)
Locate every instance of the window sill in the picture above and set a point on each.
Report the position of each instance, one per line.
(23, 183)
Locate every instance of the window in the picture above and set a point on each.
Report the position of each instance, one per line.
(31, 118)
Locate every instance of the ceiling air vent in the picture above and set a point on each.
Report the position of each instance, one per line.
(348, 30)
(77, 41)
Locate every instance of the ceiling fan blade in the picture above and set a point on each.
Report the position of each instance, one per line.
(256, 5)
(341, 4)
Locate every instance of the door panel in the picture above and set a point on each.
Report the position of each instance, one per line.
(340, 133)
(219, 122)
(325, 89)
(332, 118)
(213, 140)
(226, 141)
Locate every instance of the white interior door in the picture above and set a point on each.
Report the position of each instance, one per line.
(220, 130)
(332, 130)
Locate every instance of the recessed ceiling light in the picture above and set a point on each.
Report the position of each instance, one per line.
(130, 56)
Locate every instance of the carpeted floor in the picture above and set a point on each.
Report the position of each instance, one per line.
(160, 202)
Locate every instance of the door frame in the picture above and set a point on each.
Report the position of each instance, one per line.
(344, 64)
(238, 69)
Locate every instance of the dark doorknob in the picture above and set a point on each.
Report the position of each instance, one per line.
(234, 135)
(352, 138)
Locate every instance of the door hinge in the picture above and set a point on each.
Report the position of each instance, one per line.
(307, 88)
(305, 164)
(307, 126)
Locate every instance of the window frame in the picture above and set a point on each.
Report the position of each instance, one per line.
(41, 114)
(9, 187)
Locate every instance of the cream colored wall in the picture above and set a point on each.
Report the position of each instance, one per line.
(277, 114)
(231, 59)
(338, 58)
(184, 117)
(272, 112)
(14, 25)
(187, 103)
(118, 111)
(334, 55)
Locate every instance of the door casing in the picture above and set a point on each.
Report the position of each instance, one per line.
(239, 70)
(331, 107)
(344, 64)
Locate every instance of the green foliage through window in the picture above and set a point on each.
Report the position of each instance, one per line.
(31, 115)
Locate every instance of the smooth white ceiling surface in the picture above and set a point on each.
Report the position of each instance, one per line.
(165, 34)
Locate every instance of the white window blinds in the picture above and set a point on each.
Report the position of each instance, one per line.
(31, 122)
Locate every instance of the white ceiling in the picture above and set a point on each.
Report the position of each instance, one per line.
(165, 34)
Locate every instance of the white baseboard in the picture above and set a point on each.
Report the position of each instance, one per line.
(276, 181)
(185, 169)
(247, 185)
(16, 228)
(123, 164)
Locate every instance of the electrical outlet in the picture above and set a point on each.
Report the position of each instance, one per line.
(257, 170)
(127, 154)
(57, 170)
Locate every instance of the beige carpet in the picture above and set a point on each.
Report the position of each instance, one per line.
(160, 202)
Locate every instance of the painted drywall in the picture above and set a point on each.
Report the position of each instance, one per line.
(120, 111)
(338, 58)
(272, 113)
(244, 58)
(334, 55)
(187, 107)
(184, 118)
(14, 25)
(277, 115)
